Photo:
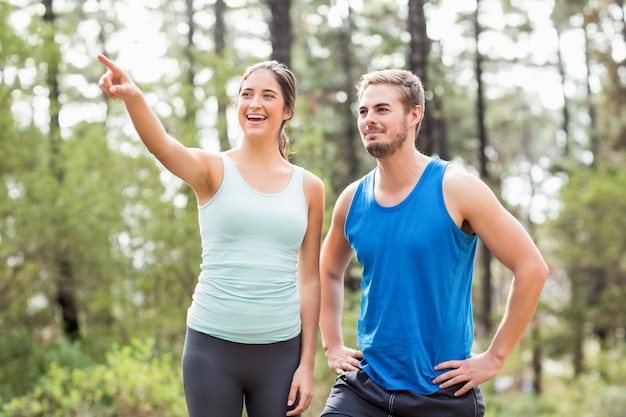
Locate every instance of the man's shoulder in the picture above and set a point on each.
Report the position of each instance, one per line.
(460, 174)
(350, 189)
(464, 189)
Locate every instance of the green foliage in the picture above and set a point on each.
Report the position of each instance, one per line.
(129, 231)
(519, 405)
(584, 397)
(29, 355)
(592, 223)
(19, 356)
(135, 380)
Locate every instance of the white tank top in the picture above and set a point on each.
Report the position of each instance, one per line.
(246, 290)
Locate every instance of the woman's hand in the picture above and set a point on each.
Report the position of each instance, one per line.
(115, 83)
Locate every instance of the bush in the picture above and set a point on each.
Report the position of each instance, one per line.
(587, 396)
(24, 358)
(135, 381)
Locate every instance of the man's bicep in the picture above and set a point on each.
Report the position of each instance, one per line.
(336, 250)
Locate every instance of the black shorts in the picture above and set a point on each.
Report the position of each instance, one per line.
(356, 395)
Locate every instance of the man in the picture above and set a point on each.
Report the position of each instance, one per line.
(413, 223)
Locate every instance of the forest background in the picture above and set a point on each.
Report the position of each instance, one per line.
(99, 249)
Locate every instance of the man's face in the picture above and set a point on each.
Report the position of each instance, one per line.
(382, 120)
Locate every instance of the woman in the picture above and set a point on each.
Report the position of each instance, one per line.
(252, 323)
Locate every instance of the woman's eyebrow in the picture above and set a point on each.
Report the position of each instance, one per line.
(265, 90)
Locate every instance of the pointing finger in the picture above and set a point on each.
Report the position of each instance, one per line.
(109, 64)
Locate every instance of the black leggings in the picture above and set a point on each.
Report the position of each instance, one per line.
(218, 376)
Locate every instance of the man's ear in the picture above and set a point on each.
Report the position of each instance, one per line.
(417, 113)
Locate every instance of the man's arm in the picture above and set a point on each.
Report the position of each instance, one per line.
(335, 258)
(469, 199)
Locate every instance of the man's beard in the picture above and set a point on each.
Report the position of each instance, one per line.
(383, 150)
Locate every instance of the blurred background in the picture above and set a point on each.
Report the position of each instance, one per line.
(99, 246)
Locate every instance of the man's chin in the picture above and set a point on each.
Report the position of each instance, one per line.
(376, 150)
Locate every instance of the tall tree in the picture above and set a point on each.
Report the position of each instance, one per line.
(219, 39)
(432, 139)
(281, 35)
(325, 124)
(591, 223)
(348, 150)
(21, 150)
(591, 107)
(63, 264)
(485, 255)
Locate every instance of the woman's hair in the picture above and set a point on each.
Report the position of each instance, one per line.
(288, 84)
(409, 85)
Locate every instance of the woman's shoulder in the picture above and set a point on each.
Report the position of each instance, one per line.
(310, 180)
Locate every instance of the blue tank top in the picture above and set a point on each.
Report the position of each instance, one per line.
(246, 290)
(416, 286)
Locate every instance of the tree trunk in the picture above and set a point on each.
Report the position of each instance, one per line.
(66, 297)
(63, 268)
(485, 255)
(432, 139)
(280, 30)
(566, 116)
(537, 358)
(620, 7)
(349, 150)
(578, 325)
(219, 38)
(418, 64)
(591, 108)
(191, 59)
(190, 118)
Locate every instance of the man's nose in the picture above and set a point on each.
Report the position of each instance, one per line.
(369, 118)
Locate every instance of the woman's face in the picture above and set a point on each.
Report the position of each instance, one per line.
(261, 105)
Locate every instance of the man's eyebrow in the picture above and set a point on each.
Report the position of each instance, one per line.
(377, 105)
